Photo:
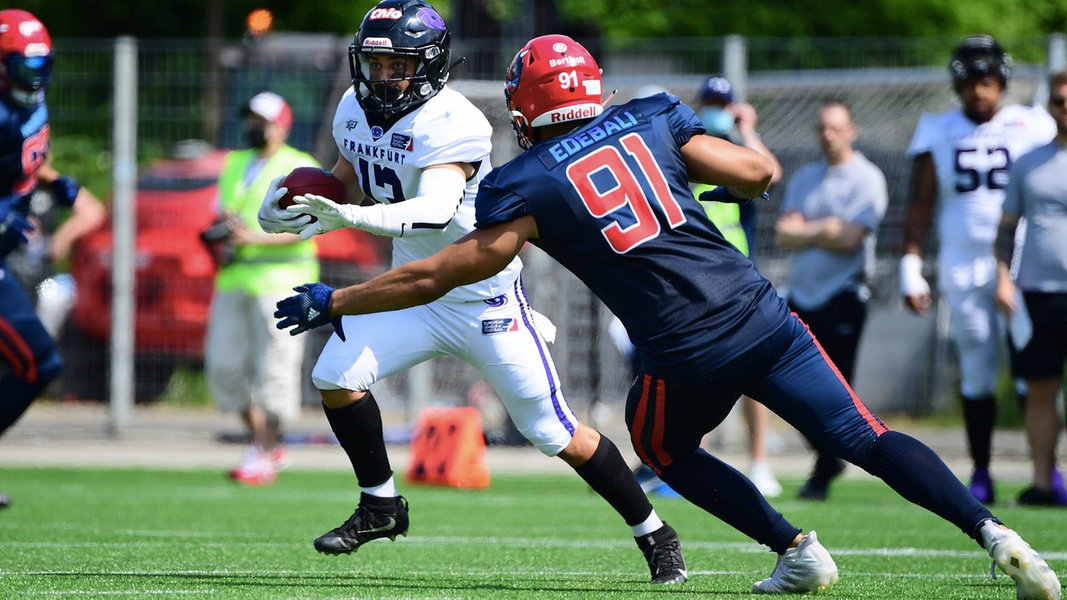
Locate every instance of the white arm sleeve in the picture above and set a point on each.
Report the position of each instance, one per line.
(440, 193)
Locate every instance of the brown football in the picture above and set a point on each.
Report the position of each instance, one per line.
(312, 180)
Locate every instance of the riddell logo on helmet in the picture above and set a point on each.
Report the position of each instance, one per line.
(378, 43)
(573, 114)
(385, 13)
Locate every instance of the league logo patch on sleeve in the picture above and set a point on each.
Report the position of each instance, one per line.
(494, 326)
(401, 142)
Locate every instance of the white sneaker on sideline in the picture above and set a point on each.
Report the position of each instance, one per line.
(806, 568)
(1034, 580)
(255, 469)
(762, 476)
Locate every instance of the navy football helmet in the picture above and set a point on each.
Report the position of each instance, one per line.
(407, 28)
(978, 56)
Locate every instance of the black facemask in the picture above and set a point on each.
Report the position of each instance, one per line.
(256, 137)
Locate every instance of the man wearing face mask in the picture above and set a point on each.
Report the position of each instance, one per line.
(251, 367)
(736, 121)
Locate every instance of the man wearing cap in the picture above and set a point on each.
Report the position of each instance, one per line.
(251, 367)
(736, 121)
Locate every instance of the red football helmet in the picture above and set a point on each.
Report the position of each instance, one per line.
(553, 79)
(26, 57)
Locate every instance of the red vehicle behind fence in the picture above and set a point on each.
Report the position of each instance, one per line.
(175, 272)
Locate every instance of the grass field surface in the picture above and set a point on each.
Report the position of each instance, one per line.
(107, 533)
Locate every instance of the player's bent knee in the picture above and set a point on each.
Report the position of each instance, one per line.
(582, 446)
(548, 444)
(340, 398)
(856, 449)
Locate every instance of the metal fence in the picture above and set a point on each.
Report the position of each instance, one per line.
(192, 88)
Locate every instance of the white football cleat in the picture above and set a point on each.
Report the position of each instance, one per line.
(1034, 580)
(806, 568)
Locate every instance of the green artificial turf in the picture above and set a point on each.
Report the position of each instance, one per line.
(107, 533)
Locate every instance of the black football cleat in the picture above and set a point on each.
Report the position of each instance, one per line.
(374, 518)
(663, 552)
(817, 487)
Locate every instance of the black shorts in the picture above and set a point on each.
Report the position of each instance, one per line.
(1044, 354)
(838, 325)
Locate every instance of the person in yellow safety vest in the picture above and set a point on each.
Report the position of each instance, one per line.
(736, 121)
(727, 218)
(251, 367)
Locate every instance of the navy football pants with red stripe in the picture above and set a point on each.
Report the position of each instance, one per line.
(668, 415)
(29, 360)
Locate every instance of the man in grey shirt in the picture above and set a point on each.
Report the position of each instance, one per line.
(1037, 190)
(831, 211)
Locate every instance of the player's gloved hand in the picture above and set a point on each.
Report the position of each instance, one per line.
(308, 309)
(275, 219)
(912, 282)
(330, 215)
(722, 194)
(65, 190)
(13, 232)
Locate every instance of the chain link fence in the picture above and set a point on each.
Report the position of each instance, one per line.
(191, 89)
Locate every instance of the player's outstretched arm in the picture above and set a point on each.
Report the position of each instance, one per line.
(439, 195)
(87, 213)
(479, 254)
(745, 172)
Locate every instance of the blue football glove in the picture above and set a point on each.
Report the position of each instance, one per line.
(308, 309)
(65, 190)
(13, 232)
(722, 194)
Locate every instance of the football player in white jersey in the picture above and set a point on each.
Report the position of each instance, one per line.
(418, 150)
(960, 161)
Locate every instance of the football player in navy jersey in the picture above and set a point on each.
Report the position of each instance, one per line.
(29, 360)
(605, 192)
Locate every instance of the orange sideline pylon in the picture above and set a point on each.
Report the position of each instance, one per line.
(448, 448)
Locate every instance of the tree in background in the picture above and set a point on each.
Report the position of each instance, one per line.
(628, 19)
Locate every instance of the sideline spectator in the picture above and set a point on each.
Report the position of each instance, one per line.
(1037, 192)
(736, 122)
(250, 367)
(829, 217)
